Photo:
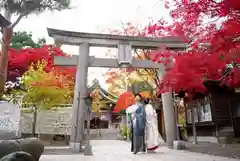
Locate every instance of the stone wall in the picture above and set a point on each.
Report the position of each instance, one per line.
(26, 122)
(48, 122)
(51, 121)
(54, 122)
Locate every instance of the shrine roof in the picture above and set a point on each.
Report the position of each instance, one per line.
(95, 84)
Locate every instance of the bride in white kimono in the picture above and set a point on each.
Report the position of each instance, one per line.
(153, 138)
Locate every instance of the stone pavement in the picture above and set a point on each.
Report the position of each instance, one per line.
(115, 150)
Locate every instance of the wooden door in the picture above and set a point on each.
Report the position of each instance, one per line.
(161, 126)
(236, 119)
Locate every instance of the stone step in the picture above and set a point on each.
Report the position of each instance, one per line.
(226, 130)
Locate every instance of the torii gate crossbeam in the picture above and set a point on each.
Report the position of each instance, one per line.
(104, 62)
(83, 61)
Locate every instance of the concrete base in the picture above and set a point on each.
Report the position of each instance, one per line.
(88, 150)
(75, 147)
(179, 145)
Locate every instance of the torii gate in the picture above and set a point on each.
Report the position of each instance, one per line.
(125, 44)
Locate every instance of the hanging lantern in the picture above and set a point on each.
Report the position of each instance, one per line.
(88, 100)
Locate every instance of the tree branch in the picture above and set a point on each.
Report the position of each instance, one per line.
(18, 19)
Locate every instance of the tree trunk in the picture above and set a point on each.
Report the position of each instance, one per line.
(34, 123)
(4, 57)
(7, 36)
(8, 16)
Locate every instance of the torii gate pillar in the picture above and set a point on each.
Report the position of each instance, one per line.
(168, 111)
(80, 93)
(83, 61)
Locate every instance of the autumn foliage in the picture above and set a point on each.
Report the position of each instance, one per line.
(214, 45)
(21, 60)
(43, 83)
(212, 29)
(46, 89)
(127, 99)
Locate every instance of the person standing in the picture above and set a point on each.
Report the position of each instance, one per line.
(138, 125)
(153, 138)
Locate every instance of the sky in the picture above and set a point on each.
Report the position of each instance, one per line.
(94, 16)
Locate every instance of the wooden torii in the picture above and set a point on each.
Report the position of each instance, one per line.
(125, 59)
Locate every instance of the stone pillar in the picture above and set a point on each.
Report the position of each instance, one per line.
(169, 118)
(78, 119)
(168, 112)
(193, 118)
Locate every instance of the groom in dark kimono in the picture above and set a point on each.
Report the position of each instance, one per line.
(138, 124)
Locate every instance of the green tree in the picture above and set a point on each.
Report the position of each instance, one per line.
(23, 8)
(23, 39)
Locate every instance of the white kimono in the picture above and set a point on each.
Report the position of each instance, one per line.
(153, 138)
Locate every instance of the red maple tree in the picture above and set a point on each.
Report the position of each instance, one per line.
(21, 60)
(213, 44)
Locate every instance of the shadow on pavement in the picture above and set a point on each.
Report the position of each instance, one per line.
(226, 150)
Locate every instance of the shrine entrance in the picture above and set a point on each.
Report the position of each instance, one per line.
(125, 59)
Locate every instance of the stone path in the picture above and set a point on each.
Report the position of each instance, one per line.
(114, 150)
(106, 134)
(228, 150)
